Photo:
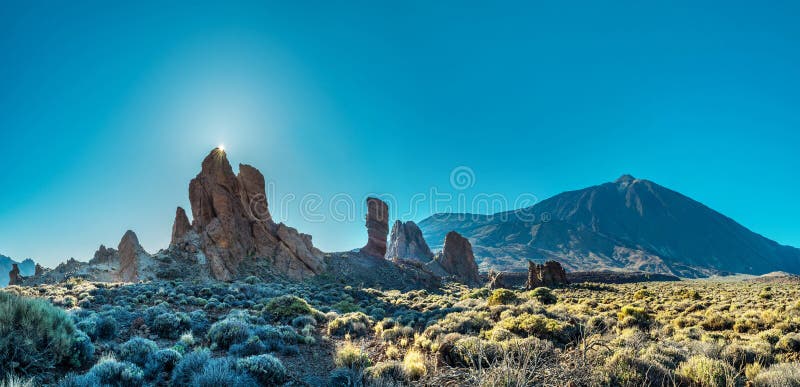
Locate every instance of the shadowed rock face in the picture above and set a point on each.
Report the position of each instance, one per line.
(129, 252)
(180, 227)
(377, 228)
(232, 220)
(549, 274)
(457, 260)
(14, 278)
(406, 242)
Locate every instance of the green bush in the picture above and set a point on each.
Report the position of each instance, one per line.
(35, 337)
(502, 297)
(285, 308)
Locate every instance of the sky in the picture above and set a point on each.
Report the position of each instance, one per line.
(107, 110)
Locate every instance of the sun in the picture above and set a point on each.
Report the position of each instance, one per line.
(221, 147)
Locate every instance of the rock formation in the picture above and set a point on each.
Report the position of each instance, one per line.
(129, 253)
(507, 280)
(14, 278)
(377, 228)
(406, 242)
(104, 255)
(232, 220)
(549, 274)
(180, 227)
(38, 271)
(456, 260)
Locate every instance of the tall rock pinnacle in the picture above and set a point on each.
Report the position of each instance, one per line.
(180, 227)
(377, 228)
(129, 253)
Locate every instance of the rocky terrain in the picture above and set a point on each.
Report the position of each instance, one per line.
(632, 224)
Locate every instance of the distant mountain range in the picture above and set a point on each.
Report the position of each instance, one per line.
(26, 267)
(630, 224)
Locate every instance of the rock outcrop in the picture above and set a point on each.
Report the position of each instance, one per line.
(129, 255)
(14, 277)
(456, 260)
(377, 228)
(104, 255)
(232, 221)
(549, 274)
(180, 227)
(38, 271)
(407, 242)
(507, 280)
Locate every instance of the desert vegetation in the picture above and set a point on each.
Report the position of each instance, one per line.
(689, 333)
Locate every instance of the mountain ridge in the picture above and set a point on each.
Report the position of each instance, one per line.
(629, 224)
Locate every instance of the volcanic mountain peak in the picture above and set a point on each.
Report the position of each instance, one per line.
(631, 224)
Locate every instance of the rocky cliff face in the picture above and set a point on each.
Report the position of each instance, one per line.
(549, 274)
(377, 228)
(456, 260)
(407, 242)
(232, 220)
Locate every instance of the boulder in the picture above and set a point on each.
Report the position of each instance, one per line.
(407, 242)
(180, 227)
(377, 228)
(233, 223)
(549, 274)
(129, 255)
(457, 260)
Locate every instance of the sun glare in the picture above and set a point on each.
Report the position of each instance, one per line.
(221, 147)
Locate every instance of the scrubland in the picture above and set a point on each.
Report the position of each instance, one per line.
(689, 333)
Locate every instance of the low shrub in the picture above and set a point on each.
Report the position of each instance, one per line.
(544, 295)
(227, 332)
(502, 297)
(783, 374)
(414, 365)
(162, 361)
(350, 356)
(222, 372)
(190, 365)
(35, 336)
(267, 369)
(287, 307)
(704, 371)
(631, 315)
(137, 350)
(355, 324)
(110, 372)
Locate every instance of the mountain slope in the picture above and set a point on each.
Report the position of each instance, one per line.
(628, 224)
(26, 267)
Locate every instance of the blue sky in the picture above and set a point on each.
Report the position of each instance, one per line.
(108, 109)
